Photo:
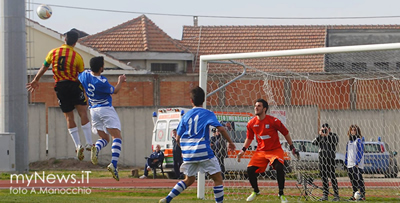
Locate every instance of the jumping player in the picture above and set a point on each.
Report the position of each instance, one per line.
(104, 117)
(194, 138)
(269, 151)
(67, 64)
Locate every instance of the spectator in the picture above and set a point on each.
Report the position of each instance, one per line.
(355, 161)
(177, 155)
(327, 143)
(218, 145)
(155, 158)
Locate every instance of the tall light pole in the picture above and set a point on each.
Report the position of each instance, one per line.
(13, 77)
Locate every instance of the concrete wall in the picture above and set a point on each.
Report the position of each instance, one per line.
(37, 132)
(137, 125)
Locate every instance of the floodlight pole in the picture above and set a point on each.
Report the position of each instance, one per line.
(13, 78)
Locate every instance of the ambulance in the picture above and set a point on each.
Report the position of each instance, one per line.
(167, 119)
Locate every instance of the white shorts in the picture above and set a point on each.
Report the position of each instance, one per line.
(103, 118)
(210, 166)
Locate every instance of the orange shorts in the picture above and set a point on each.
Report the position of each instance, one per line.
(261, 159)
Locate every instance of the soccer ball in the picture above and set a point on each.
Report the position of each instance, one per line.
(44, 11)
(357, 195)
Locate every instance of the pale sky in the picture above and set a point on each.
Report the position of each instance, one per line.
(92, 22)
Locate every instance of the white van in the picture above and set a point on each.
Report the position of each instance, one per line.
(165, 120)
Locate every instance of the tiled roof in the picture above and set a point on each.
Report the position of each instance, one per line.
(206, 40)
(137, 35)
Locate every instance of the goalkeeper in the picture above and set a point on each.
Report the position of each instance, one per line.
(269, 151)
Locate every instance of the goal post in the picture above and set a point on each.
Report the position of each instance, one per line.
(359, 85)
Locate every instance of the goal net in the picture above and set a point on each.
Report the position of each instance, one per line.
(340, 86)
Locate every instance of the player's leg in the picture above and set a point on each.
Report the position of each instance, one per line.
(276, 157)
(213, 168)
(98, 128)
(65, 102)
(113, 127)
(100, 143)
(218, 187)
(258, 163)
(73, 131)
(115, 151)
(86, 127)
(190, 170)
(116, 144)
(280, 175)
(81, 106)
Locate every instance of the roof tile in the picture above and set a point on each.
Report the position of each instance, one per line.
(244, 39)
(137, 35)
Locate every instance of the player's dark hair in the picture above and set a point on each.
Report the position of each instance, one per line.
(265, 104)
(197, 95)
(96, 63)
(71, 37)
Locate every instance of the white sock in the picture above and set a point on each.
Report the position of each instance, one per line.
(87, 131)
(75, 136)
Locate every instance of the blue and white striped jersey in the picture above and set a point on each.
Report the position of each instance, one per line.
(195, 134)
(97, 89)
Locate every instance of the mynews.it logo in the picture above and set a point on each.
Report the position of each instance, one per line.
(50, 181)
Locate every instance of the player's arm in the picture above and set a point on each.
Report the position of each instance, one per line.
(246, 145)
(121, 79)
(178, 140)
(288, 139)
(35, 82)
(223, 132)
(294, 151)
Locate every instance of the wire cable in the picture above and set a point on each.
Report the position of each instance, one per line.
(232, 17)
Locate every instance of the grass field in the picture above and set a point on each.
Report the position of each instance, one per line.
(146, 195)
(153, 195)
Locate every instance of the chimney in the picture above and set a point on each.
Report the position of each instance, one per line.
(195, 21)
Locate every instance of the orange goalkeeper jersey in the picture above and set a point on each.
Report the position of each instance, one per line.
(266, 132)
(67, 63)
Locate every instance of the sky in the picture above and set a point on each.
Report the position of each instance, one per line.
(90, 20)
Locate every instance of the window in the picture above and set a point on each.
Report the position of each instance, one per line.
(310, 147)
(372, 148)
(335, 66)
(397, 66)
(360, 66)
(161, 131)
(164, 67)
(173, 124)
(382, 65)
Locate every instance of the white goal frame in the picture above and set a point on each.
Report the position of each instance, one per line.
(204, 59)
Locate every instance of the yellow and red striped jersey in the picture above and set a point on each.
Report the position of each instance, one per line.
(67, 63)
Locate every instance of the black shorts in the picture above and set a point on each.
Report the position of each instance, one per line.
(69, 94)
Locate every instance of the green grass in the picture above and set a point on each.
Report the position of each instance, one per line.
(94, 173)
(153, 195)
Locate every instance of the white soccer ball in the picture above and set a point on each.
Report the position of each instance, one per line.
(44, 11)
(357, 195)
